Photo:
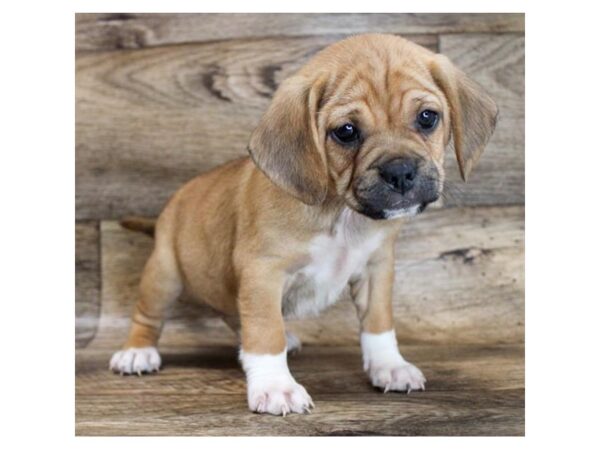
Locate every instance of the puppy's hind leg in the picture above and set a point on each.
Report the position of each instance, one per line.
(160, 286)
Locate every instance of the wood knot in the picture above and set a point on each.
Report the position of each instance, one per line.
(467, 255)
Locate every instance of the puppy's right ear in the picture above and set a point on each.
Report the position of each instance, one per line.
(286, 145)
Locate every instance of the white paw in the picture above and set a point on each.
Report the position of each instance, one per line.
(294, 344)
(271, 387)
(385, 365)
(402, 377)
(279, 397)
(135, 360)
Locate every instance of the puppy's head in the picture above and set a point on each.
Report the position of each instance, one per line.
(367, 121)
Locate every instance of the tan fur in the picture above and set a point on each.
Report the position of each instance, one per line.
(230, 237)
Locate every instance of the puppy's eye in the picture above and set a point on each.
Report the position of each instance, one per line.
(427, 120)
(346, 134)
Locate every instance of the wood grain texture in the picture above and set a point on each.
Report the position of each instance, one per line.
(149, 120)
(472, 390)
(497, 62)
(459, 278)
(123, 31)
(87, 281)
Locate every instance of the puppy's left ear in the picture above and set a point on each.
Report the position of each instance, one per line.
(286, 145)
(473, 112)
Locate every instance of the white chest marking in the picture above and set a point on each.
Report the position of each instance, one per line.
(334, 259)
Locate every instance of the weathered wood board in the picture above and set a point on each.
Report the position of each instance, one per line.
(118, 31)
(497, 62)
(149, 120)
(471, 390)
(87, 281)
(459, 278)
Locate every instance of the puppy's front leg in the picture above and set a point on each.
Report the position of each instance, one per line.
(271, 387)
(372, 295)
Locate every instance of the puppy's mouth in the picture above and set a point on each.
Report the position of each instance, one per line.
(390, 214)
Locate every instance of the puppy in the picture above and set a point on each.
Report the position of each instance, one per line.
(349, 146)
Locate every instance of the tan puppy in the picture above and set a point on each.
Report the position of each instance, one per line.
(352, 142)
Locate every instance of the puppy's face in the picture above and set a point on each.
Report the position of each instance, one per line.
(385, 132)
(367, 121)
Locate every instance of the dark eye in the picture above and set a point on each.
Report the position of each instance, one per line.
(346, 134)
(427, 120)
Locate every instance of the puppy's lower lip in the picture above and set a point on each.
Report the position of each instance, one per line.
(371, 213)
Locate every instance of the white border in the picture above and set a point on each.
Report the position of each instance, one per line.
(37, 191)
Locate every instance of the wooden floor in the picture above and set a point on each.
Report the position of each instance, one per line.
(471, 391)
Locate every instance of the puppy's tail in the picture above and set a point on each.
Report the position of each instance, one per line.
(145, 225)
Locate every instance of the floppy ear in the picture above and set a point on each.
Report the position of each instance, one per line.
(286, 144)
(472, 113)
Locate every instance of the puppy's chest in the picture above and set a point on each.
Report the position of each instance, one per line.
(334, 259)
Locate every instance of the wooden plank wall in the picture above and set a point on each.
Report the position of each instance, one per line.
(163, 97)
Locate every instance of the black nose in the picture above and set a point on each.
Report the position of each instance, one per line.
(399, 174)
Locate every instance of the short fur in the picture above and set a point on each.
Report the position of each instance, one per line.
(251, 238)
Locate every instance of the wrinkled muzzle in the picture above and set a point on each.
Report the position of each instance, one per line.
(397, 188)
